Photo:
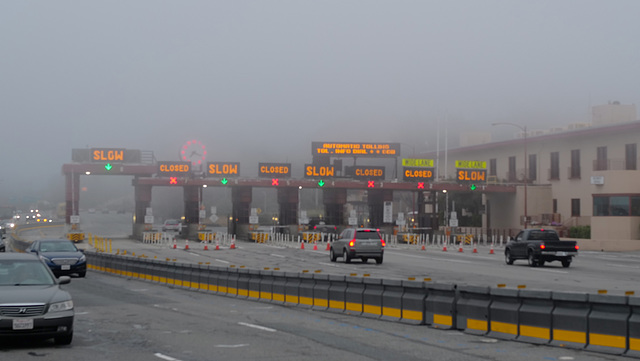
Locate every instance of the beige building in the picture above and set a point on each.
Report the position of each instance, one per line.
(581, 174)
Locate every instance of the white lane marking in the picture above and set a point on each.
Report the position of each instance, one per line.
(620, 265)
(233, 346)
(277, 255)
(549, 270)
(165, 357)
(257, 327)
(221, 261)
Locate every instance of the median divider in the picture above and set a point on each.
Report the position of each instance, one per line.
(594, 322)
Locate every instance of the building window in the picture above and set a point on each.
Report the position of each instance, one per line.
(631, 157)
(575, 207)
(555, 205)
(493, 169)
(511, 176)
(601, 159)
(533, 167)
(621, 206)
(554, 172)
(574, 171)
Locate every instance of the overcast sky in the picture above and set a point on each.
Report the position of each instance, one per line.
(258, 81)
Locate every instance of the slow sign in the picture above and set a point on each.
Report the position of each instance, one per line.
(107, 154)
(472, 175)
(226, 169)
(314, 171)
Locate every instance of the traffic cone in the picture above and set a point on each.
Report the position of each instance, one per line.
(233, 243)
(491, 250)
(186, 245)
(424, 248)
(460, 249)
(302, 245)
(206, 247)
(315, 246)
(217, 245)
(175, 244)
(328, 246)
(475, 248)
(444, 249)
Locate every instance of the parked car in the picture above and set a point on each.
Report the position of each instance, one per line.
(172, 225)
(32, 304)
(61, 255)
(363, 243)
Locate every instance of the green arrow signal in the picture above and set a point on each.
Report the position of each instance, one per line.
(224, 181)
(321, 183)
(108, 166)
(473, 187)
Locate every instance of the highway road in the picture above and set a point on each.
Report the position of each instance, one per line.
(127, 319)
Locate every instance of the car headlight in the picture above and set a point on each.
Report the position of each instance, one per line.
(61, 306)
(45, 259)
(83, 258)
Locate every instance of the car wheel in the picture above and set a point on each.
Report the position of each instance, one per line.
(379, 260)
(82, 274)
(365, 259)
(507, 257)
(532, 260)
(332, 255)
(64, 340)
(345, 256)
(540, 263)
(566, 263)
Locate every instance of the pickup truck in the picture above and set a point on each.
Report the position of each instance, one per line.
(538, 246)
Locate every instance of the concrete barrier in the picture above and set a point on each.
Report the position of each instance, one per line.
(321, 292)
(292, 287)
(503, 313)
(413, 302)
(278, 287)
(337, 293)
(634, 327)
(266, 285)
(441, 305)
(306, 290)
(534, 316)
(372, 297)
(569, 319)
(608, 320)
(354, 295)
(392, 291)
(243, 283)
(472, 309)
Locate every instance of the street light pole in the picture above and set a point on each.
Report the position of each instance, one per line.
(526, 171)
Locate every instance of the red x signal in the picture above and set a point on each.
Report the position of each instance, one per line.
(274, 181)
(420, 185)
(371, 184)
(173, 180)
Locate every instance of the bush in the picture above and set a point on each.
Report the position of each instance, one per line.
(580, 232)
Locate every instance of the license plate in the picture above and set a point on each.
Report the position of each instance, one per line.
(562, 253)
(23, 323)
(65, 267)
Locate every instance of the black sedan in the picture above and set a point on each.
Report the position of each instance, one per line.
(61, 255)
(31, 301)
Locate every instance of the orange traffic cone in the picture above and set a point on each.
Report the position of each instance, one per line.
(475, 248)
(206, 248)
(233, 243)
(186, 245)
(424, 248)
(460, 249)
(175, 244)
(315, 246)
(217, 245)
(302, 245)
(328, 246)
(444, 249)
(491, 250)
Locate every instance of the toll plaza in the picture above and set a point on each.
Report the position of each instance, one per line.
(326, 173)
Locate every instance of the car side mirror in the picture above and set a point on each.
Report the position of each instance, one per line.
(63, 280)
(32, 250)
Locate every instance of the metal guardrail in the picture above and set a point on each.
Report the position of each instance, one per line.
(594, 322)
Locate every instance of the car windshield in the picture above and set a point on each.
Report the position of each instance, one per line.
(24, 273)
(367, 234)
(62, 246)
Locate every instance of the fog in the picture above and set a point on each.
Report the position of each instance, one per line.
(258, 81)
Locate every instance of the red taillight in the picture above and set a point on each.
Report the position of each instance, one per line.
(315, 227)
(383, 243)
(542, 246)
(577, 247)
(352, 243)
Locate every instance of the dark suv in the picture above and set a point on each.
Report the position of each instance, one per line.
(363, 243)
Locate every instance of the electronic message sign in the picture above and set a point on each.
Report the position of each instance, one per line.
(417, 174)
(223, 169)
(270, 170)
(371, 150)
(107, 155)
(364, 172)
(315, 171)
(471, 171)
(426, 163)
(174, 168)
